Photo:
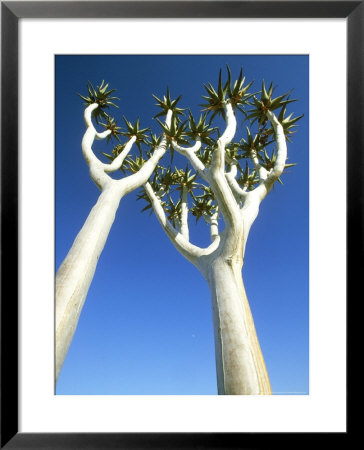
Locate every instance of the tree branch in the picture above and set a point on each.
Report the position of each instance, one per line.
(263, 173)
(190, 154)
(218, 182)
(272, 176)
(281, 149)
(188, 250)
(90, 135)
(118, 161)
(239, 193)
(214, 225)
(139, 178)
(96, 166)
(184, 214)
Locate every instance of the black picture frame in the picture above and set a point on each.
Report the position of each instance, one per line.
(11, 12)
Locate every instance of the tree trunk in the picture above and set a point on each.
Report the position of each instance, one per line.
(74, 276)
(240, 365)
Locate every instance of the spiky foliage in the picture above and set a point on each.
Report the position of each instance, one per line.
(215, 98)
(134, 130)
(246, 154)
(238, 93)
(251, 144)
(200, 129)
(134, 164)
(203, 208)
(267, 103)
(168, 104)
(142, 195)
(186, 179)
(102, 96)
(173, 210)
(204, 204)
(154, 141)
(176, 131)
(248, 178)
(268, 162)
(288, 123)
(112, 126)
(204, 154)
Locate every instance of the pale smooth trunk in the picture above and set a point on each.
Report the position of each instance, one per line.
(239, 362)
(74, 276)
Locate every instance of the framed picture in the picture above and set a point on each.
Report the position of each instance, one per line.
(32, 416)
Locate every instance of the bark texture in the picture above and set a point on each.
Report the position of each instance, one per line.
(240, 365)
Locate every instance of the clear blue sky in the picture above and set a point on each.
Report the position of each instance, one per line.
(146, 327)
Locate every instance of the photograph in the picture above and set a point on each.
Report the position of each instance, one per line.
(181, 224)
(180, 214)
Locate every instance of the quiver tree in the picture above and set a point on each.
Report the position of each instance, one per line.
(75, 274)
(224, 183)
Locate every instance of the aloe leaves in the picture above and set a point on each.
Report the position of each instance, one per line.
(102, 96)
(247, 154)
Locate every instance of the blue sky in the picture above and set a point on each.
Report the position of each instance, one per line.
(146, 326)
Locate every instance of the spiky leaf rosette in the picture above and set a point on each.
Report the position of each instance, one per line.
(201, 129)
(154, 141)
(288, 123)
(134, 130)
(117, 150)
(207, 193)
(102, 96)
(268, 162)
(187, 180)
(135, 164)
(238, 93)
(168, 104)
(215, 98)
(204, 204)
(266, 103)
(202, 207)
(232, 152)
(167, 178)
(248, 178)
(112, 126)
(205, 154)
(251, 144)
(173, 210)
(176, 132)
(114, 153)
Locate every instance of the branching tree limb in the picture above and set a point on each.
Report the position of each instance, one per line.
(224, 183)
(224, 189)
(75, 274)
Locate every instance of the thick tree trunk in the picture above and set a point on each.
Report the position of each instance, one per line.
(74, 276)
(239, 362)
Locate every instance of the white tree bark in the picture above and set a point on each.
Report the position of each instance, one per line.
(76, 272)
(240, 365)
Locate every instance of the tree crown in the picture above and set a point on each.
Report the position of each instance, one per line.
(247, 154)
